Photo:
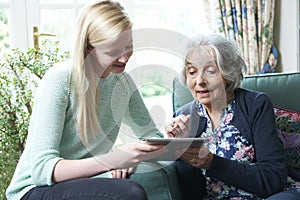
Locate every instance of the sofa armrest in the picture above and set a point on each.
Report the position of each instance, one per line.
(159, 180)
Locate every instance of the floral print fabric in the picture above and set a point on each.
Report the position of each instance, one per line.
(226, 141)
(288, 129)
(250, 23)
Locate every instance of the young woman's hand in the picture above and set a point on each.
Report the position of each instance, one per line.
(130, 155)
(126, 157)
(179, 127)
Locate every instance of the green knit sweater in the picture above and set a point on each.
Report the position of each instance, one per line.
(53, 133)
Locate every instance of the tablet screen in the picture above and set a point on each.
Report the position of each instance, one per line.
(179, 142)
(174, 144)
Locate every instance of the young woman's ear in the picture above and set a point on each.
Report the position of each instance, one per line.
(88, 49)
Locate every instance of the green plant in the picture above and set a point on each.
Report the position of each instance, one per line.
(154, 89)
(20, 73)
(4, 39)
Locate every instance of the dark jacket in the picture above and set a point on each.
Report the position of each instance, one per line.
(254, 118)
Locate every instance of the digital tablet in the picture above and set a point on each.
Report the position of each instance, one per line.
(173, 144)
(177, 142)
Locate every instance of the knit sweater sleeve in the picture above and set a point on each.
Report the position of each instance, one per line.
(46, 124)
(137, 116)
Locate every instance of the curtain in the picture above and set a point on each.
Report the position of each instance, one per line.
(250, 23)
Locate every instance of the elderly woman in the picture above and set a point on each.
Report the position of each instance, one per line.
(243, 156)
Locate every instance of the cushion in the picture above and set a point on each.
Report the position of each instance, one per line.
(281, 87)
(288, 129)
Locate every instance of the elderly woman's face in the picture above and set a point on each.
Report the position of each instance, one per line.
(203, 76)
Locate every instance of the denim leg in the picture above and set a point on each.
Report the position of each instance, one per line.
(89, 189)
(285, 195)
(191, 181)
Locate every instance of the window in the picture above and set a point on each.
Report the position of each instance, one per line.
(152, 68)
(4, 29)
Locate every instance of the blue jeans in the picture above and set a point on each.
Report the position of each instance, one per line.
(285, 195)
(89, 189)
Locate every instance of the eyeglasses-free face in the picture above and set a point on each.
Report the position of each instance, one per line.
(113, 56)
(203, 77)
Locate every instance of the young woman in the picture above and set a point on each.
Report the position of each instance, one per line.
(77, 114)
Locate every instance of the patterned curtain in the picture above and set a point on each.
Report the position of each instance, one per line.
(250, 23)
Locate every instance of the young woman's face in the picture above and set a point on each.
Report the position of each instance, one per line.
(112, 57)
(203, 76)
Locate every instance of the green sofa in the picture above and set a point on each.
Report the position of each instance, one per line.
(160, 179)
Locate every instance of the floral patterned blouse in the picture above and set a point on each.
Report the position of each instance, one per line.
(226, 141)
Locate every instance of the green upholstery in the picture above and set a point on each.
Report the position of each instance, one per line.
(282, 88)
(159, 180)
(181, 94)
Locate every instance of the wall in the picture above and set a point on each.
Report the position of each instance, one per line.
(286, 35)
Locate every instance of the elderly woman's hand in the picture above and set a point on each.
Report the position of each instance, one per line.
(200, 158)
(179, 127)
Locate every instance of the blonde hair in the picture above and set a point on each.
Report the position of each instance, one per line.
(98, 23)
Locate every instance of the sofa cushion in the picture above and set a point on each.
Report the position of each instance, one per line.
(282, 88)
(287, 120)
(288, 128)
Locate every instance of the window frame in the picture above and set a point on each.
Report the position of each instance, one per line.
(21, 25)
